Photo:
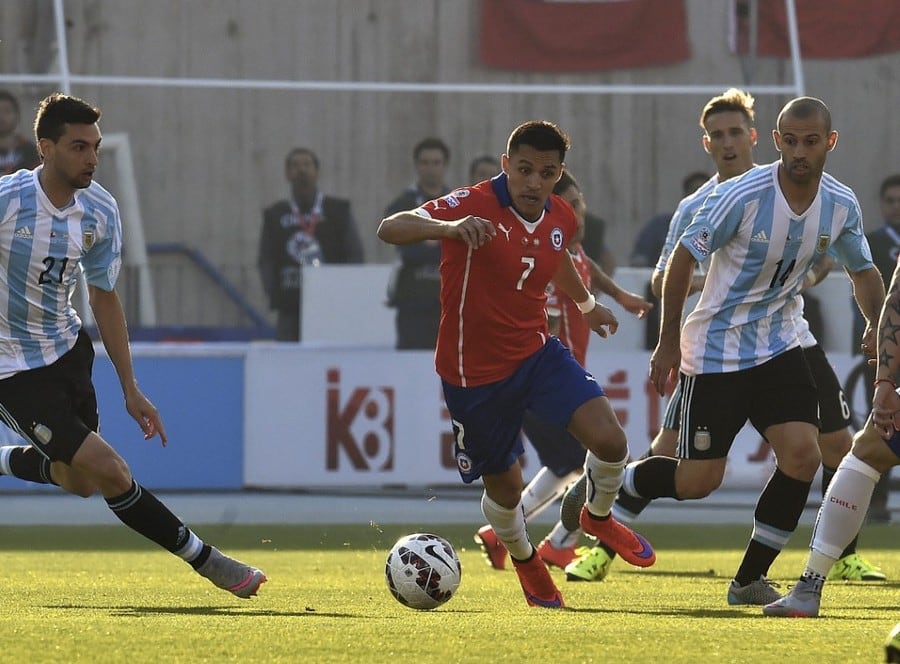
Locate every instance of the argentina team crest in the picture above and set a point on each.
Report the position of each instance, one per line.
(556, 238)
(87, 239)
(822, 244)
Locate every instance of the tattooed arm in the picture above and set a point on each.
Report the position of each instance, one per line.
(886, 402)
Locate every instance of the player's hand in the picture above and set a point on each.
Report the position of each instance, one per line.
(886, 409)
(869, 344)
(634, 304)
(474, 231)
(664, 364)
(146, 415)
(602, 320)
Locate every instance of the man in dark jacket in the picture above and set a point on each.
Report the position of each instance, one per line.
(303, 231)
(415, 285)
(16, 151)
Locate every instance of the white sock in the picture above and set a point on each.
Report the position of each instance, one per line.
(628, 481)
(544, 489)
(560, 538)
(509, 526)
(603, 482)
(191, 549)
(5, 451)
(842, 513)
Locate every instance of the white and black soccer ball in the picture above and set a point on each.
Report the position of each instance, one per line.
(892, 645)
(422, 571)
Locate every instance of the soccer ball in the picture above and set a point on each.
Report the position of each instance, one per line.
(892, 645)
(422, 571)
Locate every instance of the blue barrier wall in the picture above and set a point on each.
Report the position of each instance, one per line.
(201, 400)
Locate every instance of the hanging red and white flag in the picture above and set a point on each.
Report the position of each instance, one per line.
(835, 29)
(591, 35)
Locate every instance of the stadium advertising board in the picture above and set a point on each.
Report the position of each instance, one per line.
(367, 417)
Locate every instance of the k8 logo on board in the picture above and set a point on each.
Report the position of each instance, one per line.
(360, 426)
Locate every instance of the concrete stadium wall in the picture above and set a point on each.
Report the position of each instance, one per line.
(208, 161)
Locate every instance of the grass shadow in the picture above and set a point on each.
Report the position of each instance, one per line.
(227, 611)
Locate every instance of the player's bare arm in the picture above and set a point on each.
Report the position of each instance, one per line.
(600, 318)
(817, 271)
(408, 227)
(630, 302)
(656, 282)
(868, 290)
(553, 322)
(677, 281)
(110, 319)
(886, 402)
(698, 281)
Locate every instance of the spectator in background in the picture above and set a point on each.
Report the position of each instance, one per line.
(483, 168)
(415, 287)
(885, 244)
(652, 236)
(648, 247)
(594, 243)
(306, 229)
(16, 151)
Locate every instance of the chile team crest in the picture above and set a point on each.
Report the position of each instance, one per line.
(556, 238)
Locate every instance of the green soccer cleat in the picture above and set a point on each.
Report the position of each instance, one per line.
(591, 565)
(855, 568)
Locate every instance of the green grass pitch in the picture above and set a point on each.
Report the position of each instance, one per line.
(101, 594)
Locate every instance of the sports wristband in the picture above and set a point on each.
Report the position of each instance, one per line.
(885, 380)
(588, 305)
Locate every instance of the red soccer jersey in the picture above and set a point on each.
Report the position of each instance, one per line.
(574, 330)
(493, 298)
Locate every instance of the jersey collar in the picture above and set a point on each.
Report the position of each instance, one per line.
(500, 185)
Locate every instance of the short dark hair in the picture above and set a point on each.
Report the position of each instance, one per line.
(697, 177)
(6, 95)
(802, 108)
(296, 151)
(542, 135)
(431, 143)
(565, 181)
(57, 110)
(483, 159)
(887, 183)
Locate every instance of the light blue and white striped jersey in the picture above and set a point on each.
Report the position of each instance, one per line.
(42, 251)
(684, 213)
(760, 251)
